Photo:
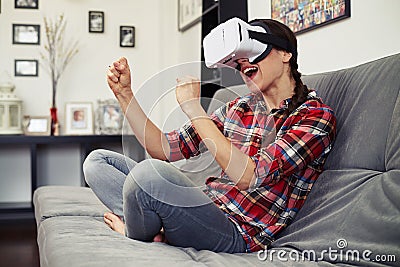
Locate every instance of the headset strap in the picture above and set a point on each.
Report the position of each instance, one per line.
(268, 38)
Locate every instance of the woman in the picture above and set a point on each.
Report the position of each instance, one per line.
(263, 184)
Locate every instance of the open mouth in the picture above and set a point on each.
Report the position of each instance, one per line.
(250, 71)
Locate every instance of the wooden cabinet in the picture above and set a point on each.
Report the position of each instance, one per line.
(214, 13)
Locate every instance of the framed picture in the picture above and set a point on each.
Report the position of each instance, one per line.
(26, 34)
(303, 16)
(96, 21)
(79, 118)
(109, 117)
(189, 13)
(26, 67)
(36, 125)
(31, 4)
(127, 36)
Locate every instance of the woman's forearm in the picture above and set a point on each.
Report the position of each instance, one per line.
(236, 164)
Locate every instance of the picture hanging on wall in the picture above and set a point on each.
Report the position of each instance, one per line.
(189, 13)
(127, 36)
(305, 15)
(26, 34)
(31, 4)
(28, 67)
(96, 21)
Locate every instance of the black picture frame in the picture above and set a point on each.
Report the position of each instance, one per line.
(308, 15)
(26, 34)
(26, 68)
(127, 36)
(96, 21)
(26, 4)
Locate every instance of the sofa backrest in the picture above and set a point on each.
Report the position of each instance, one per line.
(364, 99)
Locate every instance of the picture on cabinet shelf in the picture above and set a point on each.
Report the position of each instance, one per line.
(27, 67)
(127, 36)
(26, 34)
(189, 13)
(96, 21)
(109, 117)
(79, 118)
(303, 16)
(31, 4)
(36, 125)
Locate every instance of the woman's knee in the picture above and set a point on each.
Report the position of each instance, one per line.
(146, 173)
(157, 178)
(91, 164)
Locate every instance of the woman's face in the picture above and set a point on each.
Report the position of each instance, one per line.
(267, 73)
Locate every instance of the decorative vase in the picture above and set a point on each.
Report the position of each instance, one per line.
(54, 130)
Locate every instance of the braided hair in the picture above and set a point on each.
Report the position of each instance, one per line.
(301, 90)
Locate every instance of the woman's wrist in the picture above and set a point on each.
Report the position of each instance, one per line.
(194, 110)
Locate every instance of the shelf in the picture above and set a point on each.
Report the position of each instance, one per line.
(28, 139)
(209, 9)
(13, 206)
(36, 144)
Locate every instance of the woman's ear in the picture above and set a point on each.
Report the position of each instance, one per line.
(286, 56)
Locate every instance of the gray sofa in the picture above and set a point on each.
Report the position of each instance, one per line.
(351, 218)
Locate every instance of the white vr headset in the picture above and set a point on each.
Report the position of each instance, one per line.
(236, 39)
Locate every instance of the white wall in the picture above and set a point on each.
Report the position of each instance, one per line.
(158, 45)
(371, 32)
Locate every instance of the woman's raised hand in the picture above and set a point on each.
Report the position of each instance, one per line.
(188, 94)
(119, 78)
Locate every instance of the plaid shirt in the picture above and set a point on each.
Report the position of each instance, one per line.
(289, 152)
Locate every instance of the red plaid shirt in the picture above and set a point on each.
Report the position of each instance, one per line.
(289, 152)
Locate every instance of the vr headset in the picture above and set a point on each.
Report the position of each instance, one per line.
(236, 39)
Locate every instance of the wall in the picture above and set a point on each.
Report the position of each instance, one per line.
(158, 45)
(370, 33)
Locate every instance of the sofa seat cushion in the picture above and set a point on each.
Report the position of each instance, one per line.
(85, 241)
(52, 201)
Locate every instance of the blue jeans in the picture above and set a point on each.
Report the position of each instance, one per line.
(153, 194)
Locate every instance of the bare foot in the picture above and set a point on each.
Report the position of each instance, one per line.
(160, 237)
(114, 222)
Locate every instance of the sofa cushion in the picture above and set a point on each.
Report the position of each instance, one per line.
(66, 241)
(53, 201)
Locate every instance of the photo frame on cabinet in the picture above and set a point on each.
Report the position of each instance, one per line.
(79, 118)
(309, 14)
(189, 13)
(96, 21)
(30, 4)
(109, 117)
(26, 34)
(26, 67)
(36, 125)
(127, 36)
